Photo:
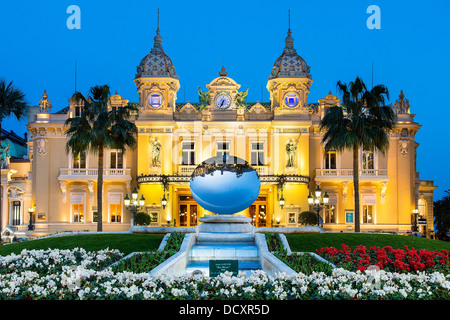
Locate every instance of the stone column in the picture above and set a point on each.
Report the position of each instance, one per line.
(4, 207)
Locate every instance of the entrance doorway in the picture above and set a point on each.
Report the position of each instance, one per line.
(188, 211)
(258, 212)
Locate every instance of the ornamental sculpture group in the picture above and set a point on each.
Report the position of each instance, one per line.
(4, 155)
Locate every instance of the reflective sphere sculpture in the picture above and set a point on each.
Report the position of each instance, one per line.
(225, 185)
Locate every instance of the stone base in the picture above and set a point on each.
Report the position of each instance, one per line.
(225, 223)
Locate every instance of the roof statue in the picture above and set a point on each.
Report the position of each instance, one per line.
(45, 105)
(4, 155)
(241, 98)
(402, 105)
(203, 98)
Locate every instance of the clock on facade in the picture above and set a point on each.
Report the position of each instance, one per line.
(155, 100)
(291, 100)
(222, 101)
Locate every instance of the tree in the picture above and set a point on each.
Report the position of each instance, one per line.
(441, 212)
(12, 102)
(98, 128)
(362, 121)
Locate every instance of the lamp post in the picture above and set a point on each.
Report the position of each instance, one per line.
(317, 201)
(165, 186)
(280, 188)
(134, 204)
(30, 211)
(415, 213)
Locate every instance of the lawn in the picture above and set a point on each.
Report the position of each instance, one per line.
(311, 242)
(125, 243)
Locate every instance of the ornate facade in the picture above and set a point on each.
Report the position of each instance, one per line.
(280, 139)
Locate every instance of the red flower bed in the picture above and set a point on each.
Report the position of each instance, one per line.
(387, 258)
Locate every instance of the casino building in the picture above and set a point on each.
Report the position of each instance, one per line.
(280, 139)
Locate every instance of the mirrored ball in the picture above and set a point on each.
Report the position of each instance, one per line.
(225, 185)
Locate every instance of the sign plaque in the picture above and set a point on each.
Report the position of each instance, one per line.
(217, 267)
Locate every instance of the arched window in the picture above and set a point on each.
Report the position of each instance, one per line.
(422, 206)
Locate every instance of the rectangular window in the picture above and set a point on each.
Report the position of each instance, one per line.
(116, 159)
(77, 111)
(367, 160)
(79, 161)
(115, 207)
(329, 213)
(292, 218)
(153, 217)
(257, 154)
(223, 148)
(330, 160)
(368, 211)
(16, 213)
(77, 206)
(188, 153)
(94, 214)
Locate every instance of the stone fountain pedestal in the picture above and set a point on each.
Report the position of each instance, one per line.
(224, 237)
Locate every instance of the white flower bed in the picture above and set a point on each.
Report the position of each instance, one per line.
(59, 274)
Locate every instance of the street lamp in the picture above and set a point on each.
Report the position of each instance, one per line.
(134, 204)
(30, 211)
(165, 186)
(317, 201)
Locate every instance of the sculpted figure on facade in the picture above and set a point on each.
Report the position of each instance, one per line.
(156, 151)
(291, 149)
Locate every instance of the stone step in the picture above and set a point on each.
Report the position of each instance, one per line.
(225, 237)
(226, 251)
(245, 266)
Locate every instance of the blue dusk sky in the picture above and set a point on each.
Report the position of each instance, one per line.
(410, 52)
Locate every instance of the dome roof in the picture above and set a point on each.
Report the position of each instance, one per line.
(290, 64)
(157, 63)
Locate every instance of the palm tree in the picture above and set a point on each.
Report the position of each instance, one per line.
(98, 128)
(12, 102)
(362, 121)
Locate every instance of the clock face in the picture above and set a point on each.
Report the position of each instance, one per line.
(155, 100)
(222, 101)
(291, 100)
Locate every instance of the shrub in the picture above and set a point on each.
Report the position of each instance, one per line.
(387, 258)
(142, 219)
(307, 218)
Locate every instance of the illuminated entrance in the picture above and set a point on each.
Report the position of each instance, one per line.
(188, 211)
(258, 212)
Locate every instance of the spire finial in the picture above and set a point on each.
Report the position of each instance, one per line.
(289, 14)
(157, 39)
(157, 26)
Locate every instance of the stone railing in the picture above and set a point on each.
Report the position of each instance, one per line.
(92, 172)
(186, 170)
(363, 173)
(262, 170)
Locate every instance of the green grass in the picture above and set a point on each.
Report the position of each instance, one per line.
(125, 243)
(311, 242)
